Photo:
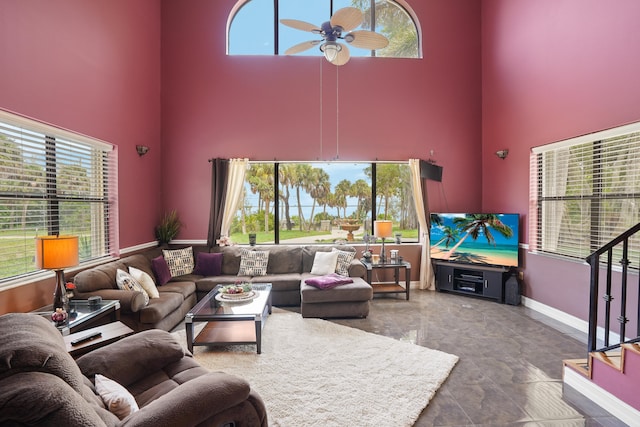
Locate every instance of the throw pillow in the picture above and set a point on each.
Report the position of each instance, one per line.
(126, 282)
(180, 261)
(208, 264)
(115, 397)
(161, 270)
(145, 281)
(344, 261)
(328, 281)
(324, 263)
(253, 263)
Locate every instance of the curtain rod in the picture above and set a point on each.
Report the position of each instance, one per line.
(322, 161)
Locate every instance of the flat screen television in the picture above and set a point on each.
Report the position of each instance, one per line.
(487, 239)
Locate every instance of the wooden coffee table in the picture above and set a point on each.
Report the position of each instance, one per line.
(230, 322)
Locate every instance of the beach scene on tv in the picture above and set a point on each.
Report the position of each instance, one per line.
(490, 239)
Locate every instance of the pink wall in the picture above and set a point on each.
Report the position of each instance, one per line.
(92, 67)
(551, 70)
(267, 108)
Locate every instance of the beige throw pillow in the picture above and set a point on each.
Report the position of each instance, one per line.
(324, 263)
(344, 261)
(115, 397)
(253, 263)
(145, 281)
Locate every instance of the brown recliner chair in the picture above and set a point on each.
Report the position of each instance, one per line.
(41, 384)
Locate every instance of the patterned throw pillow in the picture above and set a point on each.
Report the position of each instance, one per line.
(126, 282)
(180, 261)
(253, 263)
(344, 261)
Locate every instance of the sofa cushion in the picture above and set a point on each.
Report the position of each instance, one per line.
(115, 397)
(253, 263)
(160, 270)
(324, 263)
(208, 264)
(180, 261)
(126, 282)
(161, 307)
(230, 259)
(284, 259)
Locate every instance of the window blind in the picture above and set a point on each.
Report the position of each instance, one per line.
(53, 182)
(585, 192)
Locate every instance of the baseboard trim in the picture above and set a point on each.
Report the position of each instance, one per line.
(567, 319)
(607, 401)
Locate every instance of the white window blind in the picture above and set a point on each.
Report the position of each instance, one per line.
(53, 182)
(584, 192)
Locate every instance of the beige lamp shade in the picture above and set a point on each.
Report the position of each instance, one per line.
(56, 252)
(383, 228)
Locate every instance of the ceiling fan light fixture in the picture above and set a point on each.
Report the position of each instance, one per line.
(330, 50)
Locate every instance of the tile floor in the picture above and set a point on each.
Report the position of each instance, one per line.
(510, 367)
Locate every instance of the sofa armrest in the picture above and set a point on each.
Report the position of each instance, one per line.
(130, 301)
(357, 269)
(192, 402)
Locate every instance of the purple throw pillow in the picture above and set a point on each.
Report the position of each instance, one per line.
(328, 281)
(161, 270)
(208, 264)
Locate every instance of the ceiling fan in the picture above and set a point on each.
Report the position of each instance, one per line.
(338, 28)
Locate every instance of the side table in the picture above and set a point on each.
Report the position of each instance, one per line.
(390, 288)
(83, 315)
(109, 333)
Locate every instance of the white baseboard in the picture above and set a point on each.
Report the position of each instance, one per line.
(607, 401)
(567, 319)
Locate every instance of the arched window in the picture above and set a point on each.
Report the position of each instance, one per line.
(254, 26)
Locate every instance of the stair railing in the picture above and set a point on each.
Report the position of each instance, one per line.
(622, 319)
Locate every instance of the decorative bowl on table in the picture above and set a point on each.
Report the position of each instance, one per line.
(237, 292)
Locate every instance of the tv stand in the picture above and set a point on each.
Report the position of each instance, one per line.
(474, 280)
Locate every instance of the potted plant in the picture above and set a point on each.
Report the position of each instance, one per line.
(168, 228)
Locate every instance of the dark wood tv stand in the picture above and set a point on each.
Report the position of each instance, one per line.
(470, 279)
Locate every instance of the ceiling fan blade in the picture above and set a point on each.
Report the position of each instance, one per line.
(300, 25)
(301, 47)
(343, 56)
(367, 40)
(348, 18)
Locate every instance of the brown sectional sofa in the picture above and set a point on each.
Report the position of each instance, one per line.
(287, 268)
(41, 384)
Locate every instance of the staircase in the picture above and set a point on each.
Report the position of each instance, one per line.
(610, 375)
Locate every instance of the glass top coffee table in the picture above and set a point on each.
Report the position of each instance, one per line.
(84, 315)
(230, 322)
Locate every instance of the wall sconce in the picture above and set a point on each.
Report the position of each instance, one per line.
(502, 153)
(142, 150)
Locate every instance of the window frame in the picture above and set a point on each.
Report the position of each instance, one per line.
(547, 209)
(83, 203)
(276, 203)
(400, 4)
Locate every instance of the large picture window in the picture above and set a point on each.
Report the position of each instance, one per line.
(584, 192)
(319, 202)
(53, 182)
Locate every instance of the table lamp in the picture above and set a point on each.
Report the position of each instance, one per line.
(383, 229)
(57, 253)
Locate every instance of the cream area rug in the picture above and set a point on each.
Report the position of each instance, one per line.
(313, 372)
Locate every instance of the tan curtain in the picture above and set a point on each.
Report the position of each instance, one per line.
(235, 184)
(427, 279)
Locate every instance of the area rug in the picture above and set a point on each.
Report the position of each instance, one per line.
(314, 372)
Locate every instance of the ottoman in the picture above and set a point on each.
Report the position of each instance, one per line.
(348, 300)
